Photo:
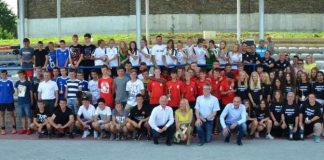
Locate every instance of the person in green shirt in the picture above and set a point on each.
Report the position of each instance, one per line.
(212, 54)
(123, 53)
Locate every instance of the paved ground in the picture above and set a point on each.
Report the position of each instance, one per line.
(19, 147)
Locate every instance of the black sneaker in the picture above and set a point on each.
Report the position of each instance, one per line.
(239, 142)
(156, 141)
(148, 138)
(71, 136)
(40, 135)
(137, 136)
(60, 135)
(227, 139)
(50, 135)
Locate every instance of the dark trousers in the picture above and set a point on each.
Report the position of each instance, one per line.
(168, 133)
(49, 106)
(241, 129)
(205, 131)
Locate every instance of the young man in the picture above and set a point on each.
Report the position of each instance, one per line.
(118, 127)
(84, 84)
(261, 49)
(133, 88)
(174, 91)
(201, 52)
(25, 99)
(106, 86)
(40, 56)
(48, 92)
(62, 120)
(88, 58)
(85, 117)
(62, 55)
(189, 90)
(201, 82)
(27, 61)
(40, 121)
(120, 86)
(51, 62)
(156, 88)
(93, 87)
(102, 119)
(76, 54)
(7, 91)
(55, 73)
(138, 119)
(61, 82)
(227, 89)
(71, 92)
(190, 50)
(158, 51)
(112, 55)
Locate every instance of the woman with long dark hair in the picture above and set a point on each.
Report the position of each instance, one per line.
(304, 88)
(264, 121)
(171, 54)
(133, 54)
(275, 112)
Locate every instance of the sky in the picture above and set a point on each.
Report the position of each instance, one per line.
(12, 5)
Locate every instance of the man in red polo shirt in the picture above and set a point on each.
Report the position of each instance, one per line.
(215, 83)
(189, 90)
(156, 88)
(227, 89)
(173, 88)
(202, 80)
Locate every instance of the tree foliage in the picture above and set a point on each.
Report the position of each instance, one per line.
(8, 25)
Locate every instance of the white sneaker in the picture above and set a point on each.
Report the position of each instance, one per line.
(269, 136)
(95, 134)
(85, 134)
(256, 134)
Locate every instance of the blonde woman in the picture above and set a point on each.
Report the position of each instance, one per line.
(235, 56)
(266, 86)
(255, 93)
(123, 53)
(183, 119)
(243, 86)
(310, 64)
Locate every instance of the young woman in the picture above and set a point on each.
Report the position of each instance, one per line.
(183, 121)
(223, 53)
(289, 84)
(145, 55)
(272, 76)
(266, 86)
(310, 64)
(123, 53)
(255, 94)
(313, 74)
(290, 115)
(304, 88)
(118, 127)
(171, 54)
(213, 55)
(242, 86)
(318, 87)
(264, 121)
(182, 54)
(275, 113)
(133, 54)
(251, 120)
(235, 56)
(277, 85)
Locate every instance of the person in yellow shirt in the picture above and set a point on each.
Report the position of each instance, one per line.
(309, 65)
(183, 119)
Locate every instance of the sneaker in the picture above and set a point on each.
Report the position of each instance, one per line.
(148, 138)
(257, 135)
(71, 136)
(112, 137)
(290, 136)
(269, 136)
(3, 132)
(29, 132)
(227, 139)
(317, 139)
(50, 135)
(239, 142)
(14, 131)
(301, 136)
(85, 134)
(40, 135)
(95, 134)
(23, 131)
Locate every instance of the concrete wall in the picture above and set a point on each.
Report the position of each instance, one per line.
(45, 27)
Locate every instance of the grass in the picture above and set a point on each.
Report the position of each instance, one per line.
(180, 36)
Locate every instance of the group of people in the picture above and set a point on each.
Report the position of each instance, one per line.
(179, 92)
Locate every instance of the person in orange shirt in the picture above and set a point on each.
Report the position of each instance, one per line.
(227, 89)
(189, 90)
(156, 88)
(173, 88)
(215, 83)
(202, 80)
(106, 86)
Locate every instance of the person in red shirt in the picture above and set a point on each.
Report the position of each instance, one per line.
(228, 69)
(106, 86)
(193, 77)
(215, 83)
(189, 90)
(202, 80)
(227, 89)
(173, 89)
(156, 88)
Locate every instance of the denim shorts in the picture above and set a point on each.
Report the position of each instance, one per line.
(73, 104)
(24, 110)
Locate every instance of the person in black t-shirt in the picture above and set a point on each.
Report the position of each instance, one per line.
(138, 118)
(264, 122)
(40, 122)
(275, 113)
(88, 58)
(251, 120)
(41, 56)
(268, 62)
(318, 87)
(282, 63)
(310, 118)
(289, 116)
(62, 120)
(304, 88)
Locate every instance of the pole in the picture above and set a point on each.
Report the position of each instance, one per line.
(58, 14)
(261, 19)
(21, 32)
(238, 21)
(147, 12)
(138, 22)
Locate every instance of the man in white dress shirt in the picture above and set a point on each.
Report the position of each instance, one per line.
(162, 121)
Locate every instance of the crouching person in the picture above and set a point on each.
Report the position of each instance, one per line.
(233, 119)
(183, 119)
(61, 121)
(85, 116)
(118, 128)
(290, 116)
(40, 121)
(102, 119)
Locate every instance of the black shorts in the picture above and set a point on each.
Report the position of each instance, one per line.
(309, 128)
(7, 106)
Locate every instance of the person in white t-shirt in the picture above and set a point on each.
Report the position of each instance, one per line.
(112, 53)
(182, 54)
(171, 54)
(201, 52)
(133, 87)
(102, 119)
(86, 111)
(191, 52)
(93, 87)
(158, 51)
(133, 54)
(235, 56)
(100, 53)
(145, 55)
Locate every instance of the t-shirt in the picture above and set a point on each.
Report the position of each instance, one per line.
(27, 55)
(134, 62)
(265, 90)
(41, 117)
(133, 88)
(23, 89)
(103, 114)
(137, 115)
(256, 93)
(174, 89)
(61, 84)
(261, 114)
(168, 57)
(276, 109)
(281, 65)
(143, 58)
(94, 90)
(6, 91)
(99, 53)
(47, 90)
(72, 88)
(290, 112)
(51, 60)
(212, 58)
(40, 57)
(304, 89)
(158, 51)
(225, 86)
(62, 56)
(318, 89)
(215, 88)
(120, 116)
(235, 57)
(200, 85)
(106, 87)
(201, 55)
(261, 51)
(84, 85)
(88, 51)
(120, 88)
(156, 90)
(183, 118)
(191, 52)
(75, 53)
(111, 53)
(62, 117)
(255, 57)
(189, 91)
(87, 114)
(310, 111)
(181, 57)
(242, 91)
(267, 61)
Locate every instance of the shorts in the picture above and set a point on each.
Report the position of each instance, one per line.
(309, 128)
(24, 110)
(7, 106)
(29, 73)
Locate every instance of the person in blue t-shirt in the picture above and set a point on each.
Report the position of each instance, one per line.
(7, 102)
(51, 56)
(261, 50)
(61, 83)
(62, 55)
(25, 99)
(84, 83)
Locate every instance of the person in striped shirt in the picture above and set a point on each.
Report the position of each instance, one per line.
(71, 92)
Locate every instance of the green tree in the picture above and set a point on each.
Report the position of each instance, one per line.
(8, 25)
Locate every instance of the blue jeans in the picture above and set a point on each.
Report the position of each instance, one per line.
(24, 110)
(73, 104)
(241, 129)
(205, 131)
